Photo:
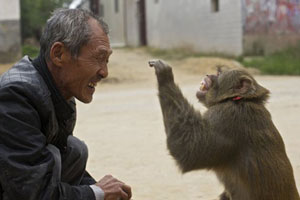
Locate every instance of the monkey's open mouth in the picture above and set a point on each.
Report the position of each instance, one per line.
(204, 86)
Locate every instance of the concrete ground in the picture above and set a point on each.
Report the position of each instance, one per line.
(125, 134)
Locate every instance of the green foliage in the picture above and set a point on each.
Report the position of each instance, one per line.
(30, 50)
(285, 62)
(34, 14)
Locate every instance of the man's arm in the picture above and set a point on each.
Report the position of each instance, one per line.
(26, 165)
(87, 179)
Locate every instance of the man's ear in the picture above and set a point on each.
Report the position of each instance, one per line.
(245, 85)
(58, 53)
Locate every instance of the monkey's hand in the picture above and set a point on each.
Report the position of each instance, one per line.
(163, 71)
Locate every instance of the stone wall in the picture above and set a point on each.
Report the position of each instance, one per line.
(10, 35)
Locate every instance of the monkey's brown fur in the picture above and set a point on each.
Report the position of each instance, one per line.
(235, 138)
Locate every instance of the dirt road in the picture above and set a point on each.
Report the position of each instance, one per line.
(124, 131)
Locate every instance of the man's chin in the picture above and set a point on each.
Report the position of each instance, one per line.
(85, 100)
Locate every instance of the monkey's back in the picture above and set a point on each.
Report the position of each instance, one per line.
(260, 169)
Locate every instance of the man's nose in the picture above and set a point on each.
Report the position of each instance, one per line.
(103, 72)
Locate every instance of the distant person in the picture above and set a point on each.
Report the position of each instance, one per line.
(39, 156)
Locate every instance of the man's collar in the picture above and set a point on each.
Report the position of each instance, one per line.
(63, 108)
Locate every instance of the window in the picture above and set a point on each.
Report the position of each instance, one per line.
(214, 5)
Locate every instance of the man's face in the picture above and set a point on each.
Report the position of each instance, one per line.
(84, 72)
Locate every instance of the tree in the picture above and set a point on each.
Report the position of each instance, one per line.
(34, 14)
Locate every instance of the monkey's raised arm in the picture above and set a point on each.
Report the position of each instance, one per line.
(190, 139)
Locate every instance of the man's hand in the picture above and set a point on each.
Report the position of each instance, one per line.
(114, 189)
(163, 71)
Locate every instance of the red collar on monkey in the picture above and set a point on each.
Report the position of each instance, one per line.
(236, 98)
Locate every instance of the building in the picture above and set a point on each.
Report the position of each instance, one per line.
(232, 27)
(123, 17)
(10, 34)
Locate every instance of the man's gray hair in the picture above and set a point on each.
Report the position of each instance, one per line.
(69, 26)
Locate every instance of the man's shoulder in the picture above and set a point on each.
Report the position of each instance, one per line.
(22, 72)
(24, 75)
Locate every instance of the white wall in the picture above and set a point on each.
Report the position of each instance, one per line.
(132, 16)
(9, 10)
(115, 21)
(192, 24)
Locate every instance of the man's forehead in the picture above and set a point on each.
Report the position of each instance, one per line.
(99, 42)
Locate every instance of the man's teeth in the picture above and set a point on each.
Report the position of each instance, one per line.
(92, 84)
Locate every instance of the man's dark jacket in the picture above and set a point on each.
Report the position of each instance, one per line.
(33, 114)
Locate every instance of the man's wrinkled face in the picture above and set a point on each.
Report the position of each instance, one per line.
(90, 66)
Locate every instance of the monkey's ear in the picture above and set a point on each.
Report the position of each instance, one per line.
(245, 85)
(219, 70)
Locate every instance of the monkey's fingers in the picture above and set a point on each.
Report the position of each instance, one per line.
(152, 63)
(157, 64)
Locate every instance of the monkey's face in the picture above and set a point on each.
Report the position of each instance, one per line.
(225, 84)
(229, 85)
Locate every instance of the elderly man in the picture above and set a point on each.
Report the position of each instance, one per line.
(39, 156)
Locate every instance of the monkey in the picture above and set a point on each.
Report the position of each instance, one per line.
(235, 137)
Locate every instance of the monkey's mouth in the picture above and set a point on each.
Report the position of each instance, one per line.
(204, 86)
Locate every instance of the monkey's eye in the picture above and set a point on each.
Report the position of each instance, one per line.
(213, 78)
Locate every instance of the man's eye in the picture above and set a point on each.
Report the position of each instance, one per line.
(101, 57)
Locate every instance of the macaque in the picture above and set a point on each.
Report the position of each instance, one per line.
(235, 137)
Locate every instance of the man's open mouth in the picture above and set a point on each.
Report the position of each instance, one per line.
(92, 85)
